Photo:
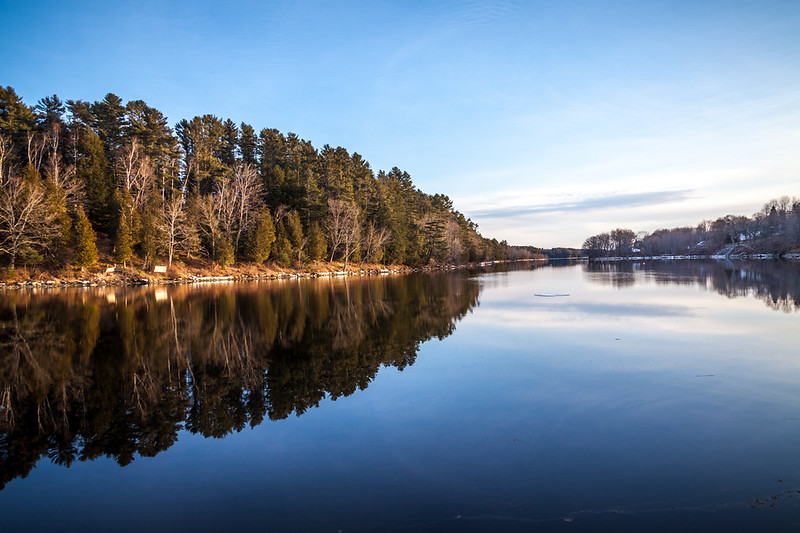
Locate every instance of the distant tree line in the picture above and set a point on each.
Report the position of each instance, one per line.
(74, 174)
(550, 253)
(775, 229)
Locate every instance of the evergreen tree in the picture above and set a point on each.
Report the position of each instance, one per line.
(247, 144)
(123, 241)
(151, 128)
(261, 238)
(85, 241)
(223, 254)
(110, 121)
(228, 142)
(433, 238)
(49, 110)
(317, 247)
(294, 232)
(94, 171)
(62, 220)
(282, 249)
(18, 121)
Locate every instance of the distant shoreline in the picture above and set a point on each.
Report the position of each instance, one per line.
(789, 256)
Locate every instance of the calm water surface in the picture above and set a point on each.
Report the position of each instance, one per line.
(621, 397)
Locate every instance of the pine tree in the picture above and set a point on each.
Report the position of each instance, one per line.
(247, 144)
(94, 171)
(282, 249)
(85, 247)
(223, 254)
(123, 241)
(62, 221)
(317, 243)
(110, 121)
(294, 232)
(260, 240)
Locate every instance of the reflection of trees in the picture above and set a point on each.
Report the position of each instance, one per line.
(85, 374)
(615, 273)
(777, 283)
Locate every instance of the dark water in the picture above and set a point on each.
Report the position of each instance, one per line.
(616, 397)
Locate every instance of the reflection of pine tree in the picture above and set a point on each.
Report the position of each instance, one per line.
(212, 361)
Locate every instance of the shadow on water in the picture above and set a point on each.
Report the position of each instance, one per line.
(776, 283)
(119, 372)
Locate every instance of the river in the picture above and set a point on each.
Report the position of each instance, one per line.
(578, 397)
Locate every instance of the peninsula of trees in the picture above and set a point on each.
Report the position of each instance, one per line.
(76, 176)
(774, 230)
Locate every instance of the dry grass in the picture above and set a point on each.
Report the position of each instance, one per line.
(184, 268)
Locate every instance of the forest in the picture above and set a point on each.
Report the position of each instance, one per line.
(107, 180)
(774, 230)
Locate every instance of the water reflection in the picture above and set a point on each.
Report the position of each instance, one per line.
(776, 283)
(91, 373)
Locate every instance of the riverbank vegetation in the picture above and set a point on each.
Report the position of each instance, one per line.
(774, 230)
(110, 181)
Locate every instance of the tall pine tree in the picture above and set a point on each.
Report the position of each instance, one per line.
(94, 171)
(85, 241)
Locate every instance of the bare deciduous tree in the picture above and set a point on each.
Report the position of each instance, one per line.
(452, 238)
(61, 174)
(236, 200)
(36, 145)
(225, 206)
(26, 217)
(281, 212)
(208, 223)
(343, 228)
(179, 234)
(374, 241)
(138, 175)
(248, 188)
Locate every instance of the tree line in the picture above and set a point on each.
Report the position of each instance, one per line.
(775, 230)
(77, 174)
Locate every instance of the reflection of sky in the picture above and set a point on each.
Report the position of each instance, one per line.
(678, 330)
(685, 309)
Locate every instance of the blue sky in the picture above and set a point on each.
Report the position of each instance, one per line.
(545, 122)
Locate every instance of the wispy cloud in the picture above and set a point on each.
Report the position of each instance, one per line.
(611, 201)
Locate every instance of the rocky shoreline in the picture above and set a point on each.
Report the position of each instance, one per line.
(120, 277)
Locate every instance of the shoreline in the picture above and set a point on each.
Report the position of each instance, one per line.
(788, 256)
(112, 276)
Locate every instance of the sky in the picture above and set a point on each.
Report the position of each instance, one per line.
(545, 122)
